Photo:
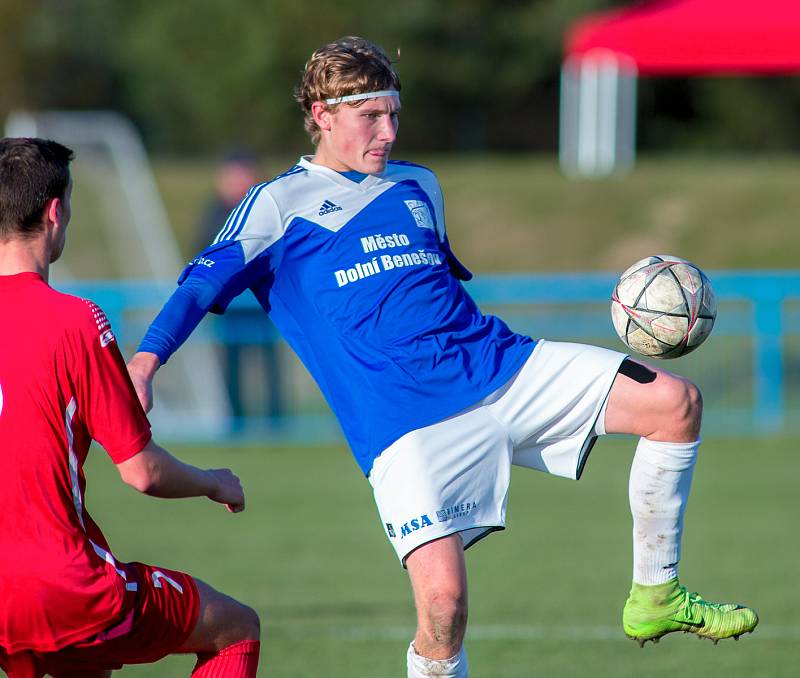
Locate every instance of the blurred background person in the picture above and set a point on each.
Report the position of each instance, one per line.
(245, 333)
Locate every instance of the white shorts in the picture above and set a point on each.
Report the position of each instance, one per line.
(453, 476)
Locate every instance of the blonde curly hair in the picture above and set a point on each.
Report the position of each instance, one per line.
(350, 65)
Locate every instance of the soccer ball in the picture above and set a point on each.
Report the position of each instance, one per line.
(663, 307)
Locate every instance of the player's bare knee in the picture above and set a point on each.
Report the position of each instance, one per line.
(690, 409)
(446, 617)
(229, 622)
(249, 624)
(682, 410)
(695, 400)
(240, 625)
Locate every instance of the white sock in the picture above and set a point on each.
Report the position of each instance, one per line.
(421, 667)
(661, 477)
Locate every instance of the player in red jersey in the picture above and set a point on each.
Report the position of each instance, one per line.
(67, 606)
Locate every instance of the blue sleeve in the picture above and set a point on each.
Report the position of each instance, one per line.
(458, 269)
(209, 283)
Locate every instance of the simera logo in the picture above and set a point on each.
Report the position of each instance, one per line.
(414, 524)
(202, 261)
(422, 215)
(456, 511)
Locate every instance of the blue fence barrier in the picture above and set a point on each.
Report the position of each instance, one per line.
(748, 369)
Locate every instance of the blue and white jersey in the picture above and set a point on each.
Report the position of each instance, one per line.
(360, 280)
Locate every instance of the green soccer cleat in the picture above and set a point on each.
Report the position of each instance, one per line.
(654, 611)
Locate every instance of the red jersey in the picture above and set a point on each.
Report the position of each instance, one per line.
(63, 383)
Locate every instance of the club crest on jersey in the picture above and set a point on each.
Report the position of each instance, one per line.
(414, 524)
(422, 215)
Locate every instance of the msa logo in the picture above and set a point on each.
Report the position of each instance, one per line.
(327, 207)
(414, 524)
(422, 215)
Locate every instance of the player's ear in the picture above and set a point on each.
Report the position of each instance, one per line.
(53, 210)
(322, 115)
(55, 226)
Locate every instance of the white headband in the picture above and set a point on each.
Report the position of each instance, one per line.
(366, 95)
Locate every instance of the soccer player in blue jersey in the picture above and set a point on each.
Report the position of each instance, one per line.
(347, 252)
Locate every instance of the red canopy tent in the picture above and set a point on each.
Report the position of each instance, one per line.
(605, 52)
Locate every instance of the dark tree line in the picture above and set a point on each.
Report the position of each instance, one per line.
(477, 74)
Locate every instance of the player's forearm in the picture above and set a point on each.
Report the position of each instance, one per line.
(177, 320)
(141, 369)
(155, 472)
(144, 364)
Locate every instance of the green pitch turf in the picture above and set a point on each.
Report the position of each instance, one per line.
(546, 595)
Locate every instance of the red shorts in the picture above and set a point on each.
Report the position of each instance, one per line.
(161, 617)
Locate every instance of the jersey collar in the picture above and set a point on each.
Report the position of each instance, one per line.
(24, 277)
(370, 181)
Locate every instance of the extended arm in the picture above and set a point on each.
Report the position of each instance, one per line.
(209, 283)
(177, 320)
(236, 261)
(142, 368)
(155, 472)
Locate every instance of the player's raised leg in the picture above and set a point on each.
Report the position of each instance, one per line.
(226, 638)
(174, 613)
(666, 411)
(439, 580)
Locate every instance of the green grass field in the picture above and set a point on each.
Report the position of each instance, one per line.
(545, 595)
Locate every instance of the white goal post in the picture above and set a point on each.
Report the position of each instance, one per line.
(190, 398)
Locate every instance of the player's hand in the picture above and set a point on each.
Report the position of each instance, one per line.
(141, 369)
(228, 489)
